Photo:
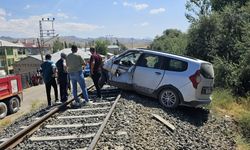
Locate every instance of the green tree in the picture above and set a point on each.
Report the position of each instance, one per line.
(243, 84)
(197, 9)
(225, 74)
(101, 47)
(172, 41)
(223, 37)
(218, 5)
(202, 38)
(221, 32)
(57, 45)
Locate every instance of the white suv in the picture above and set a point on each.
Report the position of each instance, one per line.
(174, 80)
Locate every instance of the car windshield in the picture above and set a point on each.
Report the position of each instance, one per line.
(127, 59)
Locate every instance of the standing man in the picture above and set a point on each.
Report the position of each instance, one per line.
(74, 64)
(62, 77)
(95, 69)
(48, 69)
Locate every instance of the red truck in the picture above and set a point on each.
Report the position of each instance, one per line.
(11, 94)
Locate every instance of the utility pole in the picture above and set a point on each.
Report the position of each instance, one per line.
(47, 30)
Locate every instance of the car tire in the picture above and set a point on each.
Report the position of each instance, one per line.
(13, 105)
(169, 98)
(3, 110)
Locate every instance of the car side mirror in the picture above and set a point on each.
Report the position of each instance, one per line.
(131, 69)
(116, 61)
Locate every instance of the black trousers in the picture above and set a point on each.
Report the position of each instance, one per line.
(95, 77)
(63, 87)
(48, 90)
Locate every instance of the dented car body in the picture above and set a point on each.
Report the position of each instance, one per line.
(174, 80)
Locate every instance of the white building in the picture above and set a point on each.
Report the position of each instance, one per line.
(115, 49)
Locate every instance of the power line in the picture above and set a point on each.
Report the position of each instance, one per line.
(47, 33)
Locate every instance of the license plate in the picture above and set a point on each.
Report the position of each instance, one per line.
(206, 90)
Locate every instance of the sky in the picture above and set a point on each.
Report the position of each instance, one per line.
(92, 18)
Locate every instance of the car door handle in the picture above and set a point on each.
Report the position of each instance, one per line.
(158, 73)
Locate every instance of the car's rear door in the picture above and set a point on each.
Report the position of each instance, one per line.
(148, 73)
(205, 87)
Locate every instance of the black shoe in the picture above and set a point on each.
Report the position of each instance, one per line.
(64, 100)
(48, 108)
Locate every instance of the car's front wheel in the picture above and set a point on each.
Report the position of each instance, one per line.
(169, 98)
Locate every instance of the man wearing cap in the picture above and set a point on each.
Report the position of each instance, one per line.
(63, 79)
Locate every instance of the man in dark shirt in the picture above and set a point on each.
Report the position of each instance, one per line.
(48, 69)
(62, 77)
(95, 69)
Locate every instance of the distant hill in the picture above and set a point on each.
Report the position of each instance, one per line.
(128, 42)
(7, 38)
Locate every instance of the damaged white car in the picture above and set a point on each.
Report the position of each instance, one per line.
(174, 80)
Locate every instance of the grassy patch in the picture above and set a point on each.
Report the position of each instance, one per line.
(242, 144)
(5, 122)
(35, 104)
(224, 103)
(244, 122)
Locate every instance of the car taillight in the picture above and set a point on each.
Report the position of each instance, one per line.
(195, 79)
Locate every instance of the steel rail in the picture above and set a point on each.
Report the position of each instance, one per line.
(20, 136)
(99, 132)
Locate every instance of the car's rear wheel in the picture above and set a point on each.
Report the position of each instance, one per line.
(169, 98)
(3, 110)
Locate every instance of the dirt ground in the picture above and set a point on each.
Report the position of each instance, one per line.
(33, 98)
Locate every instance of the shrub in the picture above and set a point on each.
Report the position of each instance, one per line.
(221, 99)
(225, 73)
(243, 85)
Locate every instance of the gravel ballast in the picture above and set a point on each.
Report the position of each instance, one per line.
(132, 126)
(29, 118)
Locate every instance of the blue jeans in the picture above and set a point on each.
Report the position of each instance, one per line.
(78, 77)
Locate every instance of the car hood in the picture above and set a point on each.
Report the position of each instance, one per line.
(108, 64)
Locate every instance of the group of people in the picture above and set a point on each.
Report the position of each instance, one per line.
(70, 68)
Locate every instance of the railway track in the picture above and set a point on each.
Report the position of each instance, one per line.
(66, 128)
